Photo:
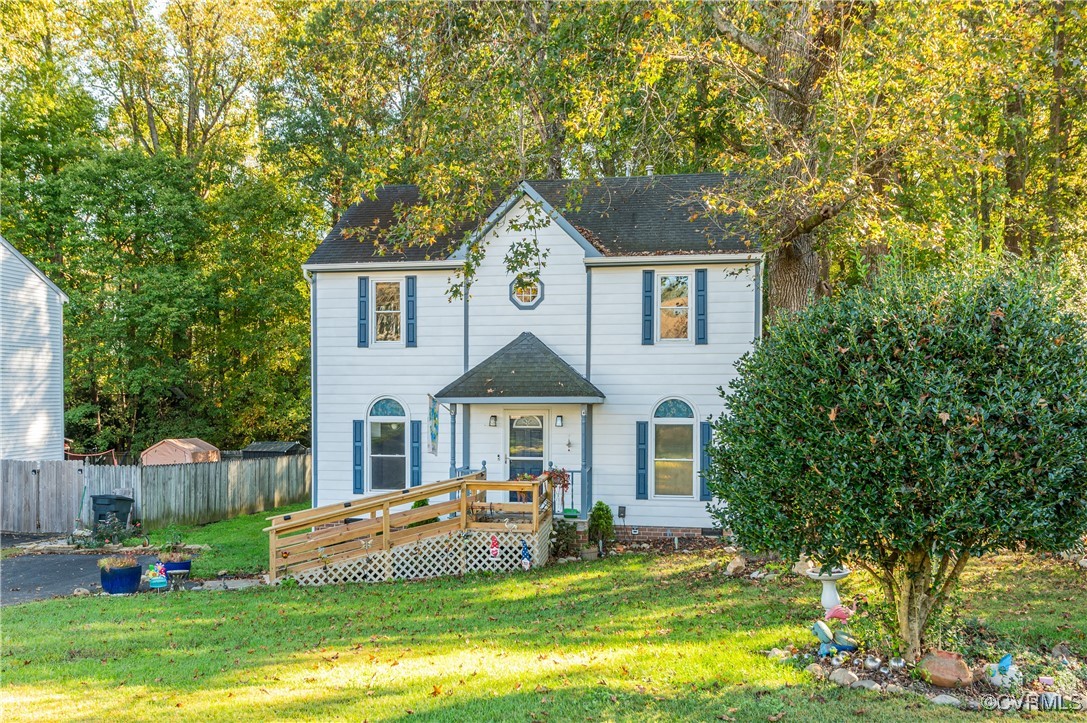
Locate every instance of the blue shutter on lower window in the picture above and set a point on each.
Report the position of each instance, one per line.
(364, 311)
(703, 475)
(416, 453)
(701, 319)
(357, 459)
(409, 311)
(641, 477)
(647, 307)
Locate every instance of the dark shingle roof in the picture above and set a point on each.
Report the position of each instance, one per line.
(369, 221)
(648, 214)
(619, 216)
(524, 368)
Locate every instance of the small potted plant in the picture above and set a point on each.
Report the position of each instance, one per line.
(590, 551)
(174, 561)
(120, 574)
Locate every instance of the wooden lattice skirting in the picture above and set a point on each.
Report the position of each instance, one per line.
(456, 553)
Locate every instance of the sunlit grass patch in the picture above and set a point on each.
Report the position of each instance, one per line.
(628, 638)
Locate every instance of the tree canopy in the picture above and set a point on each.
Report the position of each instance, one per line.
(849, 130)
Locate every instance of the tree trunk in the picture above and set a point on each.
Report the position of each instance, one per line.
(1015, 171)
(794, 271)
(913, 583)
(1057, 133)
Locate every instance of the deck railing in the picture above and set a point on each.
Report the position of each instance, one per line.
(344, 531)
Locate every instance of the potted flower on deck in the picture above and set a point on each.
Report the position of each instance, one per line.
(560, 480)
(120, 574)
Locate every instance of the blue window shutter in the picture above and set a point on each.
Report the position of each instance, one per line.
(647, 307)
(357, 458)
(416, 453)
(409, 311)
(641, 489)
(701, 327)
(707, 436)
(364, 311)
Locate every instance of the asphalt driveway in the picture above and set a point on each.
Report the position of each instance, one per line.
(40, 577)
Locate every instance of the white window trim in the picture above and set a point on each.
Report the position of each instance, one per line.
(653, 420)
(689, 273)
(368, 475)
(402, 281)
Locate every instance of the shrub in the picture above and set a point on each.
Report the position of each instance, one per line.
(601, 526)
(908, 427)
(417, 505)
(563, 538)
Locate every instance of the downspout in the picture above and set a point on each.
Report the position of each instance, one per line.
(312, 280)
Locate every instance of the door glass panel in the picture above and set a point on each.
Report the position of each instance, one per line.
(526, 453)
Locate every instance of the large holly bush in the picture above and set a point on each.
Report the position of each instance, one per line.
(909, 426)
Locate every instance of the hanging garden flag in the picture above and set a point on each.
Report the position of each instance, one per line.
(432, 424)
(494, 546)
(526, 556)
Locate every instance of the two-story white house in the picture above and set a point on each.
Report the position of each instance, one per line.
(610, 366)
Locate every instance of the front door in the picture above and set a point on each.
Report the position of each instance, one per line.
(526, 452)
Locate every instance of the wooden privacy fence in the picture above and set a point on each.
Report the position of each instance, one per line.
(49, 496)
(376, 538)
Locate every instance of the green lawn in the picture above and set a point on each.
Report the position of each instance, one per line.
(629, 638)
(237, 546)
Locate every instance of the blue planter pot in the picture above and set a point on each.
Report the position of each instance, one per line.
(185, 566)
(121, 581)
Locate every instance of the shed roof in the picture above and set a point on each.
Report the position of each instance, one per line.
(190, 444)
(619, 216)
(526, 368)
(281, 447)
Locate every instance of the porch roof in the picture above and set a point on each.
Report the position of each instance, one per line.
(524, 370)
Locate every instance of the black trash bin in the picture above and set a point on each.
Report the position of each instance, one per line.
(117, 504)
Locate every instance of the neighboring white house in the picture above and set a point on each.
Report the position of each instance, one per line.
(609, 366)
(31, 360)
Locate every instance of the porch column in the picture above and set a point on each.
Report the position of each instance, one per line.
(586, 459)
(452, 440)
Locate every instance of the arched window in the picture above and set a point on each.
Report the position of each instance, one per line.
(673, 449)
(388, 445)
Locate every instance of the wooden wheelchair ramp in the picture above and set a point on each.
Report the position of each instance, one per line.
(463, 528)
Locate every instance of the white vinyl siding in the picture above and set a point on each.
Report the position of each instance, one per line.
(31, 362)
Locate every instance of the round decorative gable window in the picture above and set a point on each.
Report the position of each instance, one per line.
(526, 296)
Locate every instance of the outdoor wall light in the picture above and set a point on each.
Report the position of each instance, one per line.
(558, 420)
(493, 422)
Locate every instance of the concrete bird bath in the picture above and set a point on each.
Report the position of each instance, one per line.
(830, 585)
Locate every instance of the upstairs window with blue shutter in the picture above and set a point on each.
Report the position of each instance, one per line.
(674, 306)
